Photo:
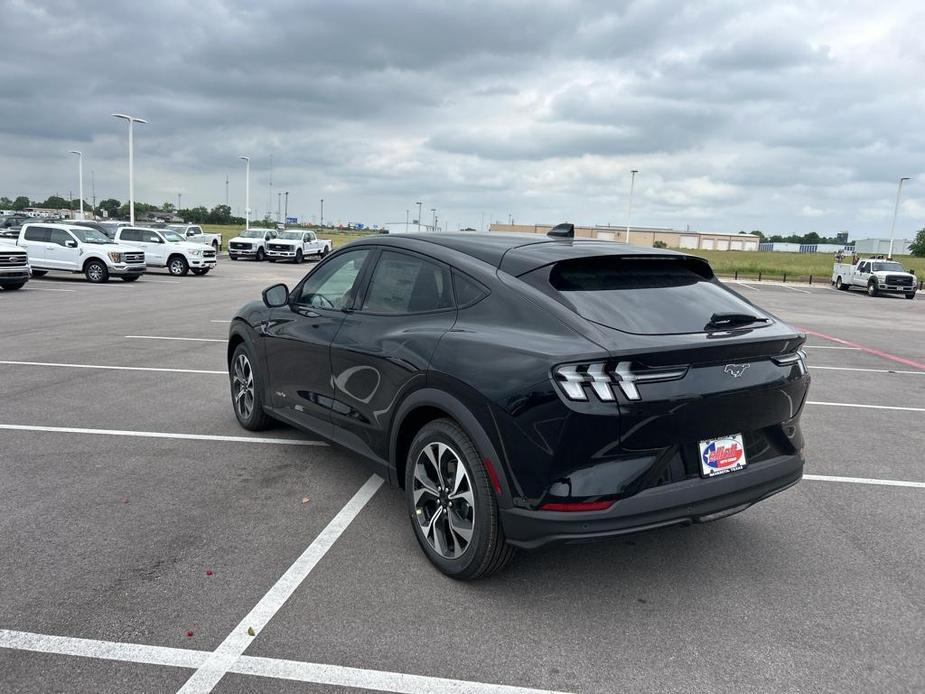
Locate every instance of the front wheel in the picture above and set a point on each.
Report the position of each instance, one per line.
(19, 285)
(39, 273)
(246, 394)
(201, 270)
(298, 257)
(910, 295)
(177, 266)
(96, 271)
(451, 503)
(260, 255)
(872, 288)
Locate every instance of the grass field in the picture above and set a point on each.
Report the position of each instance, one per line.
(796, 265)
(338, 237)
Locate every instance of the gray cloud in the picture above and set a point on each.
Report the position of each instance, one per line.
(796, 117)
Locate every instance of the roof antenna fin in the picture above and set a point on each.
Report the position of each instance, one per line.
(562, 231)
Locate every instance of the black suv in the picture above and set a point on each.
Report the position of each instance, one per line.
(524, 389)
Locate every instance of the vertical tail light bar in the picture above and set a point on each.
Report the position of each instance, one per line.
(600, 377)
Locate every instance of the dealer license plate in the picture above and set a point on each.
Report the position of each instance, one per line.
(721, 455)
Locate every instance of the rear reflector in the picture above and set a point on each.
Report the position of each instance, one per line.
(492, 475)
(579, 506)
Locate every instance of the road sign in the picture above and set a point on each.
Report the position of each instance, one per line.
(292, 220)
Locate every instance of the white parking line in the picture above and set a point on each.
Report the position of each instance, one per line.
(332, 675)
(145, 279)
(747, 286)
(866, 407)
(160, 435)
(847, 349)
(219, 321)
(865, 480)
(234, 645)
(876, 371)
(114, 368)
(42, 289)
(793, 289)
(183, 339)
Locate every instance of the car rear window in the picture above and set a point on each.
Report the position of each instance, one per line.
(642, 295)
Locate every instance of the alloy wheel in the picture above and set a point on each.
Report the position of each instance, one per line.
(444, 501)
(243, 386)
(95, 272)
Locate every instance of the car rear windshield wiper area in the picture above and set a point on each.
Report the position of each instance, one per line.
(721, 321)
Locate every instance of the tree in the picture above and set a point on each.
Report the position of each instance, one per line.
(21, 203)
(5, 203)
(111, 206)
(918, 246)
(54, 202)
(167, 207)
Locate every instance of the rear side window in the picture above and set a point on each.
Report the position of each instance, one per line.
(130, 235)
(648, 296)
(39, 234)
(468, 291)
(407, 284)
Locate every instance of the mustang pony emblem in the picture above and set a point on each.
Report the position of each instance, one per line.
(735, 370)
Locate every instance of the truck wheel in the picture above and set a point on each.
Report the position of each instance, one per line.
(246, 391)
(324, 252)
(130, 278)
(298, 257)
(20, 285)
(453, 510)
(177, 266)
(232, 257)
(215, 245)
(909, 295)
(872, 288)
(96, 271)
(39, 273)
(260, 255)
(201, 270)
(839, 285)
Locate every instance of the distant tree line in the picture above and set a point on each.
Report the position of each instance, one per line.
(810, 238)
(220, 214)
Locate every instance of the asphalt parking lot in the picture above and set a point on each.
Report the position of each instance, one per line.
(144, 534)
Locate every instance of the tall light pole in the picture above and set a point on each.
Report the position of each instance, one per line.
(899, 192)
(321, 221)
(279, 207)
(434, 226)
(247, 191)
(407, 219)
(131, 162)
(179, 201)
(419, 215)
(286, 209)
(629, 205)
(80, 178)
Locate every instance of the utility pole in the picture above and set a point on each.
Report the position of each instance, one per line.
(93, 190)
(899, 192)
(226, 194)
(247, 191)
(419, 215)
(287, 206)
(179, 201)
(407, 219)
(434, 210)
(131, 161)
(279, 197)
(321, 224)
(629, 207)
(80, 175)
(270, 190)
(482, 225)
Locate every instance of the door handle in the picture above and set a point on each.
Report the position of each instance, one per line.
(49, 248)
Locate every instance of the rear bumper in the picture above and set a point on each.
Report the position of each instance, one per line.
(679, 503)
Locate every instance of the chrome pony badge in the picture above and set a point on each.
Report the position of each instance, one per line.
(735, 370)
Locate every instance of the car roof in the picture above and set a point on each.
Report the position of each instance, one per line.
(520, 253)
(57, 225)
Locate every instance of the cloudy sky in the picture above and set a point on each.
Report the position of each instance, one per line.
(785, 117)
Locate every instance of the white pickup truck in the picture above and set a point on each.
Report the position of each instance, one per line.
(295, 245)
(194, 234)
(251, 243)
(876, 275)
(14, 266)
(166, 248)
(70, 248)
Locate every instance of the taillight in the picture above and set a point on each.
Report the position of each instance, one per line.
(577, 506)
(798, 357)
(600, 377)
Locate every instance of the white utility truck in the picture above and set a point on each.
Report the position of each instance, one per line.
(876, 275)
(295, 245)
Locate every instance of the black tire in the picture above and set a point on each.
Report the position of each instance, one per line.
(177, 266)
(252, 418)
(839, 284)
(324, 252)
(260, 255)
(298, 257)
(486, 551)
(19, 285)
(96, 271)
(910, 295)
(272, 260)
(201, 270)
(130, 278)
(39, 273)
(216, 246)
(232, 257)
(872, 288)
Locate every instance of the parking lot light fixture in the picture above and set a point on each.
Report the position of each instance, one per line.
(80, 178)
(131, 161)
(247, 191)
(899, 192)
(629, 206)
(419, 214)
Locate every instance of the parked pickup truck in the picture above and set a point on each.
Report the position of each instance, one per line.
(295, 245)
(252, 243)
(166, 248)
(14, 266)
(876, 275)
(70, 248)
(195, 234)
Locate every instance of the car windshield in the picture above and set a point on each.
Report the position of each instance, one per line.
(90, 235)
(291, 235)
(253, 234)
(888, 267)
(173, 237)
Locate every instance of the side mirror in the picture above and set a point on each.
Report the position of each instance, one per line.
(70, 243)
(190, 233)
(276, 296)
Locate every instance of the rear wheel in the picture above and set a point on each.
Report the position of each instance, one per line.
(177, 266)
(130, 278)
(20, 285)
(838, 283)
(96, 271)
(453, 510)
(246, 394)
(260, 254)
(298, 257)
(872, 288)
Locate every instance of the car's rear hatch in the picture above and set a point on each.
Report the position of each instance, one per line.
(686, 359)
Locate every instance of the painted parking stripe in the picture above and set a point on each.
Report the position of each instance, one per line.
(865, 480)
(160, 435)
(869, 350)
(183, 339)
(849, 349)
(747, 286)
(42, 289)
(866, 407)
(875, 371)
(234, 645)
(331, 675)
(113, 368)
(219, 321)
